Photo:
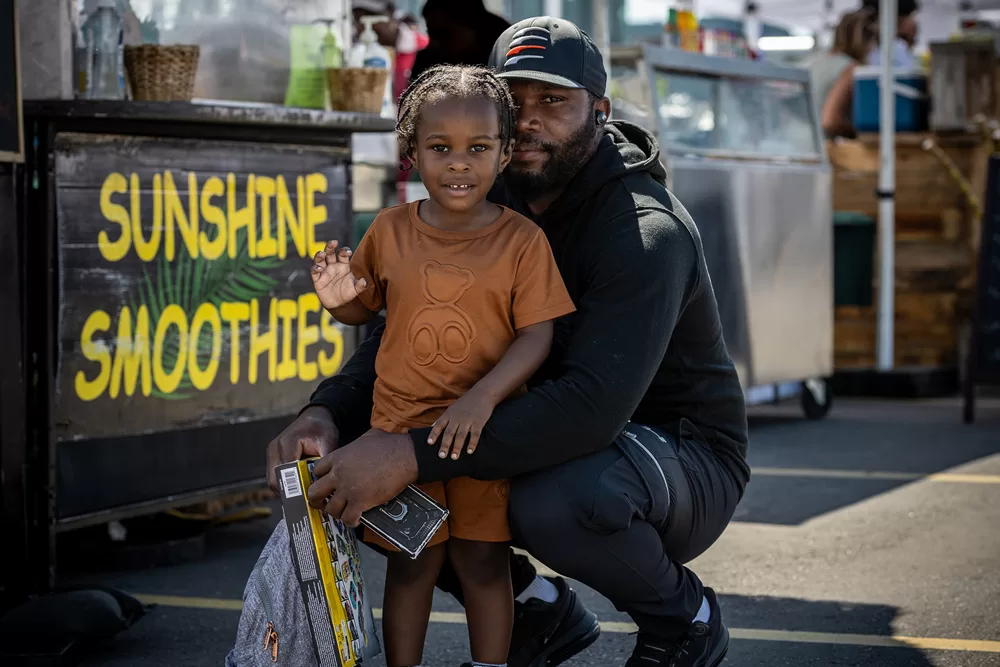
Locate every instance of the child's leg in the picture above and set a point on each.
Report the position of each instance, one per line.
(409, 590)
(484, 570)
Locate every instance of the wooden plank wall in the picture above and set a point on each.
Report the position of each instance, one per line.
(936, 238)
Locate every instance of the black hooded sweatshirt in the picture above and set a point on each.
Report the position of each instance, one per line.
(645, 342)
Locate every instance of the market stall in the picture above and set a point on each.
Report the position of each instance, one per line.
(171, 326)
(904, 284)
(928, 241)
(166, 211)
(743, 147)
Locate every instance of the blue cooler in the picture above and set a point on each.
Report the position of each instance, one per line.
(911, 99)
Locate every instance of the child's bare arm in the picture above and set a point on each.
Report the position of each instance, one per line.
(524, 356)
(466, 417)
(352, 313)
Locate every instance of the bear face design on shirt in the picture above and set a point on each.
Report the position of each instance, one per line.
(442, 328)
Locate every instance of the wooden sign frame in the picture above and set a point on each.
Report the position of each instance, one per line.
(16, 156)
(990, 226)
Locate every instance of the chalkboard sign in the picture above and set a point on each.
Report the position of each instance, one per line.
(11, 134)
(184, 291)
(984, 354)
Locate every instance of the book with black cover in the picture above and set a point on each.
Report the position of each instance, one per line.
(408, 521)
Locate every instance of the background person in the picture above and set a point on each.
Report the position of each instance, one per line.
(832, 72)
(907, 30)
(461, 32)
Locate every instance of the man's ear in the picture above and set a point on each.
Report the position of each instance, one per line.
(505, 156)
(603, 105)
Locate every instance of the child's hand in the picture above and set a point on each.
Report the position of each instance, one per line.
(335, 285)
(464, 419)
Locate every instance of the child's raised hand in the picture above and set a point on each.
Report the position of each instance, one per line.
(463, 420)
(335, 285)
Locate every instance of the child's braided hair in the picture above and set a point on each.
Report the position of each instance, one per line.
(446, 81)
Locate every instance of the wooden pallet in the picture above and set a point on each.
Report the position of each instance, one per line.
(936, 240)
(924, 187)
(928, 339)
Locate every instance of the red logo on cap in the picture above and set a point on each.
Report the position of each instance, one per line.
(517, 49)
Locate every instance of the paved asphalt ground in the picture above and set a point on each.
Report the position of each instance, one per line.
(869, 538)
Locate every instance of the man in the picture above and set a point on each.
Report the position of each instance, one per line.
(627, 454)
(906, 34)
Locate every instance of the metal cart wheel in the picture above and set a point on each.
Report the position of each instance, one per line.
(817, 399)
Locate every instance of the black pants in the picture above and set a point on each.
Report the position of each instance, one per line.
(624, 521)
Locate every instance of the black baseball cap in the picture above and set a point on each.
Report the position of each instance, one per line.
(550, 50)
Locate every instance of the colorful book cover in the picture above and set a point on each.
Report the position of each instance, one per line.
(328, 563)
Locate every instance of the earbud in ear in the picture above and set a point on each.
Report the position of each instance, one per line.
(602, 118)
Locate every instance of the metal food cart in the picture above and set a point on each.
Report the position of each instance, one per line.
(744, 148)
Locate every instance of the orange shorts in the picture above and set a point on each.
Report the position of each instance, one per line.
(477, 511)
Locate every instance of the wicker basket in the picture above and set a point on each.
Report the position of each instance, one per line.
(359, 89)
(158, 73)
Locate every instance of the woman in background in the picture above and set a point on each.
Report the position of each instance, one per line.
(833, 71)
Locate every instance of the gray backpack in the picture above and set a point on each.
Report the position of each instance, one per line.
(274, 627)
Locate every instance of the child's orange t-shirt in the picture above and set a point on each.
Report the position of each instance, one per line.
(454, 302)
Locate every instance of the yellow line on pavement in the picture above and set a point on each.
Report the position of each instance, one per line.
(826, 473)
(191, 602)
(893, 641)
(617, 627)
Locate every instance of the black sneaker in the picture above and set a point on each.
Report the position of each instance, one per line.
(547, 634)
(704, 645)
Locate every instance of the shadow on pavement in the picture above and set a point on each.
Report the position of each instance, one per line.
(748, 614)
(915, 437)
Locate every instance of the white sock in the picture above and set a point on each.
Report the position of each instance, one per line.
(704, 613)
(540, 588)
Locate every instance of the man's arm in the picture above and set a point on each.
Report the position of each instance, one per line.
(637, 284)
(348, 394)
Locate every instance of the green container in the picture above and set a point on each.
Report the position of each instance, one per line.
(362, 221)
(853, 259)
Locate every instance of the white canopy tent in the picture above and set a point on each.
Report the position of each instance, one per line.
(938, 18)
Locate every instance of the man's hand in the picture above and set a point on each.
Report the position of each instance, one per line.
(464, 419)
(370, 471)
(312, 434)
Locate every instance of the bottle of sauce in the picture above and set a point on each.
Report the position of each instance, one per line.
(687, 26)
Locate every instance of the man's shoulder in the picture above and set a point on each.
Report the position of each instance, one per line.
(642, 201)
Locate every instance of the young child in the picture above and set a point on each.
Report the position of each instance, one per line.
(471, 290)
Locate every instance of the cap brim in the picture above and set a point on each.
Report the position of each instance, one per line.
(543, 77)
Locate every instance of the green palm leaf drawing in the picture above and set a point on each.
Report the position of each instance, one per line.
(188, 283)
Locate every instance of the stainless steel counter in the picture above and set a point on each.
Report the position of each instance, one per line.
(742, 143)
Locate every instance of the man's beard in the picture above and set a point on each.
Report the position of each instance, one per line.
(565, 161)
